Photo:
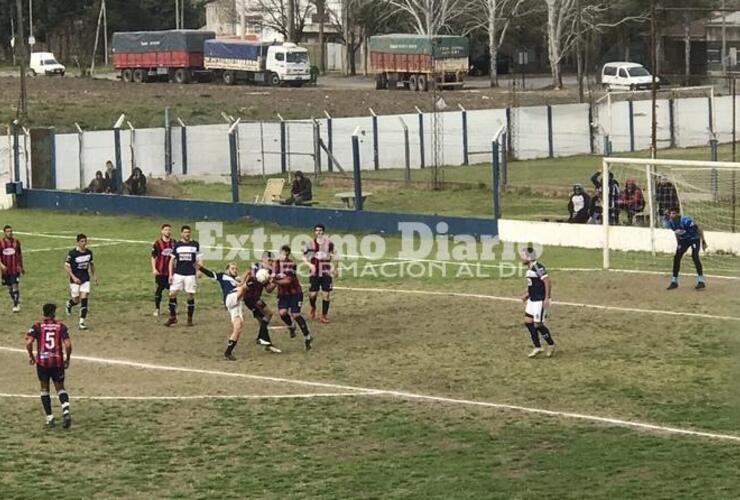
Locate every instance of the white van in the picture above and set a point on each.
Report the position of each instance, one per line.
(626, 75)
(44, 63)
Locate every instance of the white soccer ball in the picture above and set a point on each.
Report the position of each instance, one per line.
(263, 275)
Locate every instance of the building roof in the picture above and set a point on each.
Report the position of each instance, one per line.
(731, 19)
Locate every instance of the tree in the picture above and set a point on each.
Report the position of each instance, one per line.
(284, 16)
(430, 17)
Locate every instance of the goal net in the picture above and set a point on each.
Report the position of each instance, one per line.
(640, 194)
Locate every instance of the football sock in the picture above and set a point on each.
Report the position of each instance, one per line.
(191, 308)
(230, 347)
(16, 295)
(674, 279)
(173, 306)
(264, 333)
(46, 402)
(700, 278)
(83, 308)
(287, 320)
(302, 324)
(71, 303)
(158, 297)
(533, 333)
(312, 300)
(325, 307)
(545, 332)
(64, 399)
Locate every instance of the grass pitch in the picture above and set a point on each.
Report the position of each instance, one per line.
(636, 364)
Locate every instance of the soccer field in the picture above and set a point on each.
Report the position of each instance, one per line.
(420, 386)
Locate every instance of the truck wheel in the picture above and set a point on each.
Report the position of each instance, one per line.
(413, 83)
(182, 75)
(422, 83)
(228, 77)
(126, 75)
(139, 76)
(378, 81)
(274, 79)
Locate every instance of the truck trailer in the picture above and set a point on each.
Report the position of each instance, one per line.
(174, 55)
(232, 61)
(418, 61)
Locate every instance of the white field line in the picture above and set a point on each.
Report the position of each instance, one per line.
(555, 302)
(201, 397)
(92, 247)
(390, 260)
(617, 422)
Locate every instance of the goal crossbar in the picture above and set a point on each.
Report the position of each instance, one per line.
(673, 163)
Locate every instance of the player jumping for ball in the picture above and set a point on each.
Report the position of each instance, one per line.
(537, 298)
(11, 266)
(290, 294)
(318, 255)
(161, 255)
(253, 300)
(79, 266)
(184, 265)
(688, 235)
(53, 351)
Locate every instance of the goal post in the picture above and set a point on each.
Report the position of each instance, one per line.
(634, 211)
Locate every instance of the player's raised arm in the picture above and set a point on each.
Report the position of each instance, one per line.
(206, 271)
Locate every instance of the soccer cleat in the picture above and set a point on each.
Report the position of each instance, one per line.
(156, 313)
(83, 325)
(68, 309)
(325, 319)
(291, 331)
(170, 321)
(260, 341)
(535, 352)
(700, 286)
(307, 341)
(229, 357)
(550, 351)
(67, 420)
(312, 313)
(50, 424)
(16, 309)
(271, 348)
(672, 286)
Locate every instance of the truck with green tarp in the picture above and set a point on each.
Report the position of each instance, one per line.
(418, 62)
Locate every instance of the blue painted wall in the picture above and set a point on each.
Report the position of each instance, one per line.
(172, 208)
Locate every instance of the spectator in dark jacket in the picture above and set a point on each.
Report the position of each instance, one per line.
(300, 191)
(578, 205)
(136, 184)
(666, 197)
(111, 185)
(612, 197)
(595, 208)
(631, 200)
(97, 185)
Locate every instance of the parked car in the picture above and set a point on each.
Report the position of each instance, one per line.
(44, 63)
(627, 76)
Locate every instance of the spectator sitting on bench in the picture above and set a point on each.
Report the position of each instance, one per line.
(595, 209)
(136, 184)
(300, 191)
(110, 177)
(97, 185)
(631, 200)
(578, 205)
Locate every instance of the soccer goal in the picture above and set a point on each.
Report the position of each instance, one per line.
(634, 212)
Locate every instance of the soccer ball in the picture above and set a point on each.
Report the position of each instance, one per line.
(263, 275)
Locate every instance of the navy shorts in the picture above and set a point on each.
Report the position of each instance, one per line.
(291, 302)
(162, 281)
(10, 279)
(50, 373)
(320, 282)
(257, 307)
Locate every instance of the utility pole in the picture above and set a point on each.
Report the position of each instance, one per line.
(105, 32)
(724, 39)
(177, 15)
(290, 14)
(20, 45)
(579, 50)
(653, 62)
(30, 22)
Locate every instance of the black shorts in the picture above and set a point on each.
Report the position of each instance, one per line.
(291, 302)
(323, 282)
(11, 279)
(162, 281)
(257, 307)
(45, 373)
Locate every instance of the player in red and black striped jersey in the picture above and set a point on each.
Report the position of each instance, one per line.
(11, 265)
(161, 255)
(253, 300)
(290, 294)
(318, 255)
(53, 351)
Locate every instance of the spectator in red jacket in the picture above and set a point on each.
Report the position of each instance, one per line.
(631, 200)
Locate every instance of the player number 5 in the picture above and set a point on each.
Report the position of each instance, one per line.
(50, 343)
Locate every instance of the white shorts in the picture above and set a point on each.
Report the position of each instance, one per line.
(536, 309)
(180, 282)
(75, 290)
(234, 306)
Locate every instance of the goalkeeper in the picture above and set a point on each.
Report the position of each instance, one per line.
(688, 235)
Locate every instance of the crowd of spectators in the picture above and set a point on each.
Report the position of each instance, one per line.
(108, 182)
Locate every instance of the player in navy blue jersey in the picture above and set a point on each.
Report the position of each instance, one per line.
(688, 235)
(537, 300)
(183, 270)
(80, 267)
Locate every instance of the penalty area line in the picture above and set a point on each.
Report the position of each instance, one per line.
(609, 421)
(201, 397)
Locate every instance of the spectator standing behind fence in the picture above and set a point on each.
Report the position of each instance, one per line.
(300, 191)
(136, 184)
(666, 197)
(631, 200)
(110, 177)
(97, 185)
(578, 206)
(612, 197)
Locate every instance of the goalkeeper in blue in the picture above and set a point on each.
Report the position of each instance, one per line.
(688, 235)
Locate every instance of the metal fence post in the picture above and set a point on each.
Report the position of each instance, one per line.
(421, 137)
(464, 134)
(504, 161)
(631, 106)
(16, 153)
(234, 162)
(117, 151)
(591, 129)
(80, 155)
(713, 149)
(376, 152)
(316, 150)
(132, 145)
(356, 168)
(495, 180)
(167, 142)
(53, 162)
(672, 121)
(183, 145)
(283, 146)
(550, 144)
(407, 152)
(330, 140)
